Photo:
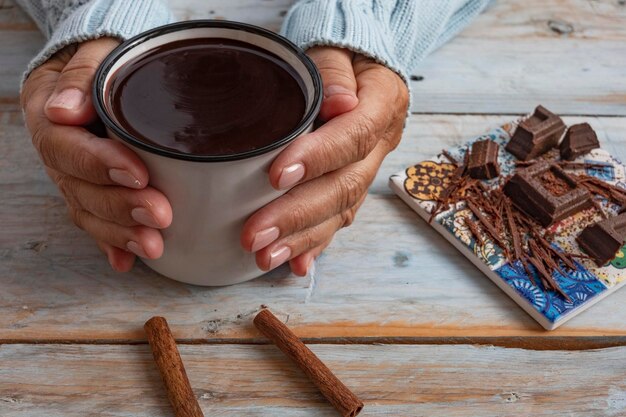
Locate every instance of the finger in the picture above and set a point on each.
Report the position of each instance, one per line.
(76, 152)
(144, 242)
(311, 203)
(291, 247)
(345, 139)
(301, 264)
(120, 260)
(120, 205)
(71, 102)
(340, 87)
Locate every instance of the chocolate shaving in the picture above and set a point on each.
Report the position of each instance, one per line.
(582, 165)
(474, 230)
(491, 231)
(515, 236)
(449, 157)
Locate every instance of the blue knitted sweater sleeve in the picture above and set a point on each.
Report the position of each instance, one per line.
(65, 22)
(397, 33)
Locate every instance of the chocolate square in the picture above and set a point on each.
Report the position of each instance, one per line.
(578, 140)
(546, 193)
(536, 135)
(483, 160)
(603, 239)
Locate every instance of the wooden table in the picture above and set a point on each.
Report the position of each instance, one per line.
(396, 311)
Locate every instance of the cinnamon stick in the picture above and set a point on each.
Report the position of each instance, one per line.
(329, 385)
(171, 368)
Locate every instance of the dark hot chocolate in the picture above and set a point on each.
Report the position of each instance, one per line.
(208, 97)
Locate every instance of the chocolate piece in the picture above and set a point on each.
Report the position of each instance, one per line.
(483, 160)
(603, 239)
(536, 135)
(546, 193)
(579, 140)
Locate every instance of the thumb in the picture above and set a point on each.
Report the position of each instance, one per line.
(70, 102)
(340, 87)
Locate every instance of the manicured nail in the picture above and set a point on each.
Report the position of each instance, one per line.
(333, 90)
(264, 238)
(279, 256)
(135, 248)
(68, 99)
(290, 176)
(144, 216)
(124, 178)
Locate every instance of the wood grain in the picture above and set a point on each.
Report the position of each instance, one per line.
(569, 55)
(233, 380)
(389, 277)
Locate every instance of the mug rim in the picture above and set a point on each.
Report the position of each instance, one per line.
(120, 50)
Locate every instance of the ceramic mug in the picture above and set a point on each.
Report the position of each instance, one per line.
(211, 196)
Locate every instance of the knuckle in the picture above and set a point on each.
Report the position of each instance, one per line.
(364, 136)
(67, 186)
(403, 95)
(82, 164)
(46, 147)
(307, 241)
(348, 216)
(79, 69)
(78, 216)
(299, 217)
(351, 188)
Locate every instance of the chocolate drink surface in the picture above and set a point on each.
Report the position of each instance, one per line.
(208, 97)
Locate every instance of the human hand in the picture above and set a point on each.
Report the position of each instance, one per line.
(104, 183)
(365, 107)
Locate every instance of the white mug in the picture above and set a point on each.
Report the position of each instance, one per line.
(211, 196)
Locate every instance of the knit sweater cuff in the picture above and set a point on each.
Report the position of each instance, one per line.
(98, 18)
(347, 27)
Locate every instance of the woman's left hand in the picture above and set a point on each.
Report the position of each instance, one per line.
(365, 107)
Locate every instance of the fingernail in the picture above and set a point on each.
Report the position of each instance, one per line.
(279, 256)
(135, 248)
(264, 238)
(124, 178)
(333, 90)
(69, 99)
(290, 176)
(144, 216)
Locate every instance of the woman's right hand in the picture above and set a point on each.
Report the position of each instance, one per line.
(104, 183)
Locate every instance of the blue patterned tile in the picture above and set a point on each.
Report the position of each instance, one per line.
(605, 173)
(580, 285)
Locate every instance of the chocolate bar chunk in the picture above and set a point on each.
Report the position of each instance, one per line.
(483, 160)
(546, 193)
(579, 140)
(603, 239)
(536, 135)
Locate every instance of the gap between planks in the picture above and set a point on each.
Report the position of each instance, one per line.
(513, 342)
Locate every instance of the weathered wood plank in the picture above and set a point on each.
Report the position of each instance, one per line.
(569, 55)
(388, 276)
(231, 380)
(512, 57)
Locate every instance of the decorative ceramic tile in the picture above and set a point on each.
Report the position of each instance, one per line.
(455, 222)
(421, 184)
(580, 285)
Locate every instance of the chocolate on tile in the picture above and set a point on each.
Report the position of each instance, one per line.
(483, 160)
(602, 240)
(546, 193)
(536, 135)
(579, 140)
